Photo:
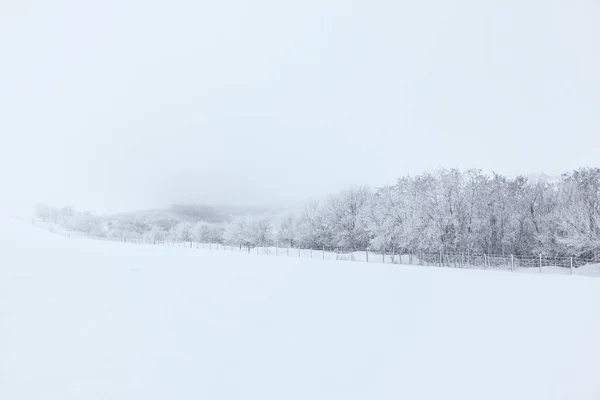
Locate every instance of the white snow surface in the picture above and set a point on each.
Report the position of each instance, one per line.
(97, 320)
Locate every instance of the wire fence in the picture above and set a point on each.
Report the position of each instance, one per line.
(533, 263)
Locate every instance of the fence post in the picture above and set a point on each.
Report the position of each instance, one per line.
(512, 262)
(155, 242)
(337, 254)
(124, 239)
(571, 269)
(540, 263)
(484, 261)
(441, 259)
(367, 252)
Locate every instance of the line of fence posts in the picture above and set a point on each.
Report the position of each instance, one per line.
(571, 267)
(443, 260)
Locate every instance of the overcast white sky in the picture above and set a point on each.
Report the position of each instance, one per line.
(125, 104)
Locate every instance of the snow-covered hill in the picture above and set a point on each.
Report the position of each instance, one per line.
(96, 320)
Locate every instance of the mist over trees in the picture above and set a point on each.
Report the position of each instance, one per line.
(447, 211)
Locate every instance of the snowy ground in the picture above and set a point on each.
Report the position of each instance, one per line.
(477, 262)
(97, 320)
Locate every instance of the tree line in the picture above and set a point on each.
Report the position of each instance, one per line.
(447, 210)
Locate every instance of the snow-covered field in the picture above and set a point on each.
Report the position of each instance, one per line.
(98, 320)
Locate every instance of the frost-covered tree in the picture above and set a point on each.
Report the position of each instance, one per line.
(66, 216)
(348, 214)
(88, 224)
(182, 232)
(261, 231)
(202, 232)
(314, 229)
(287, 231)
(238, 232)
(579, 212)
(46, 213)
(156, 234)
(388, 218)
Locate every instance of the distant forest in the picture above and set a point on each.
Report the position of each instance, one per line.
(447, 210)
